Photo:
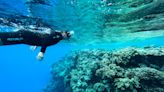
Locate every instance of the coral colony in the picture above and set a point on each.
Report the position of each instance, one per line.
(126, 70)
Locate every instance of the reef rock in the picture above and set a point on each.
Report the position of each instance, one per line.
(126, 70)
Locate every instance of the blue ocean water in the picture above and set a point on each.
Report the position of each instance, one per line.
(21, 72)
(14, 6)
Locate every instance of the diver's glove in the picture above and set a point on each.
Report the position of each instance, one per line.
(40, 56)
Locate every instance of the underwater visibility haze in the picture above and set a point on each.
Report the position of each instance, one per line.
(117, 46)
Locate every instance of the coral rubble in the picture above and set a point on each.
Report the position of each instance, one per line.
(126, 70)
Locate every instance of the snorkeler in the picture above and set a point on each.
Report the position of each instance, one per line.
(44, 38)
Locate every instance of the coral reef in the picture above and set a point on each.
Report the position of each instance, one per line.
(126, 70)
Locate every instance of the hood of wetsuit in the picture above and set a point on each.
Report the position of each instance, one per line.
(69, 34)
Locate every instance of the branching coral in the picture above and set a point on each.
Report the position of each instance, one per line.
(127, 84)
(125, 70)
(110, 71)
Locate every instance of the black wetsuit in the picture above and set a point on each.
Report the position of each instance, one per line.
(36, 38)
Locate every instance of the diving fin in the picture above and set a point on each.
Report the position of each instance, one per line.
(40, 56)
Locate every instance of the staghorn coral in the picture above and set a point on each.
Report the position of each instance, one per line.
(100, 87)
(110, 71)
(127, 84)
(126, 70)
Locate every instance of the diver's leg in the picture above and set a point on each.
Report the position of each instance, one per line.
(41, 53)
(9, 38)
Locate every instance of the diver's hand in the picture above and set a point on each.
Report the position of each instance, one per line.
(40, 56)
(33, 48)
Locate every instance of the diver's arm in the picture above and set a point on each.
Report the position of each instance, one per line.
(41, 53)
